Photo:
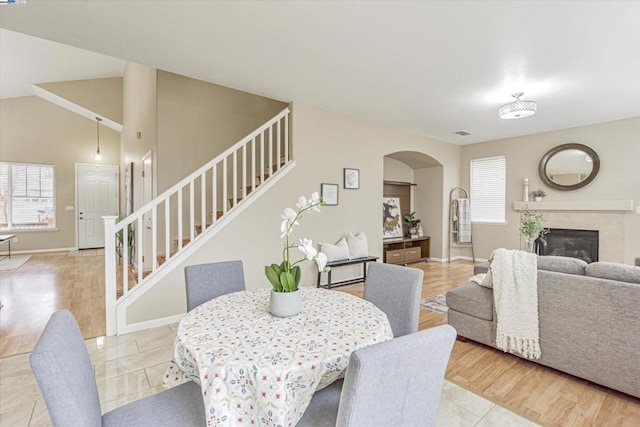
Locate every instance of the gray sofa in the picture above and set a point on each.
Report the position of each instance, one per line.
(589, 317)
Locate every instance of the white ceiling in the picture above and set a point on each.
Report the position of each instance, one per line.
(27, 60)
(431, 68)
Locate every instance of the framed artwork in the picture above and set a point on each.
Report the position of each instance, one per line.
(329, 194)
(351, 179)
(391, 218)
(128, 189)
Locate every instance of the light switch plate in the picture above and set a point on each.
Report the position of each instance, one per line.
(68, 208)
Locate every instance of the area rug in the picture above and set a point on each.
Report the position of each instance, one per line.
(437, 304)
(14, 262)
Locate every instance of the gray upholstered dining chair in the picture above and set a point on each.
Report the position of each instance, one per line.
(394, 383)
(396, 291)
(205, 282)
(64, 373)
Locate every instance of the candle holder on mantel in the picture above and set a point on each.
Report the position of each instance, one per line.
(525, 190)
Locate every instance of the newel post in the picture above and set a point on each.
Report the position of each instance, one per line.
(110, 274)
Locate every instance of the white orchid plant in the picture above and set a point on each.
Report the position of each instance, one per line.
(286, 276)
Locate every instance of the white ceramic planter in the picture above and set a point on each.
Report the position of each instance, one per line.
(285, 304)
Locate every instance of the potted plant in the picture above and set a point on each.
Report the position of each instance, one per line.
(130, 243)
(285, 299)
(412, 223)
(538, 195)
(531, 227)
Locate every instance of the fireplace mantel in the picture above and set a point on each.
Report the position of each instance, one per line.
(590, 206)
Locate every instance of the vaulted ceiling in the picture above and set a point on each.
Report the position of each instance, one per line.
(431, 68)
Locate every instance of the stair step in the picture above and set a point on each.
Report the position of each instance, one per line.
(162, 258)
(237, 201)
(185, 242)
(133, 279)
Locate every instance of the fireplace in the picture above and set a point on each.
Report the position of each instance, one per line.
(582, 244)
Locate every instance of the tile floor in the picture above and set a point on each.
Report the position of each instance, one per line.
(129, 367)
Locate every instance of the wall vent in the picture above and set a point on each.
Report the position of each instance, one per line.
(462, 133)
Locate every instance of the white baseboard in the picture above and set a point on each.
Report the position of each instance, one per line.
(458, 257)
(149, 324)
(39, 251)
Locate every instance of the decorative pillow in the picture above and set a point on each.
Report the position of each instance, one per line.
(358, 246)
(337, 252)
(562, 264)
(614, 271)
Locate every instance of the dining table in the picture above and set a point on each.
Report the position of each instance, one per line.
(256, 369)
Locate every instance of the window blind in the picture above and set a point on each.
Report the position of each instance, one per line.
(26, 195)
(488, 189)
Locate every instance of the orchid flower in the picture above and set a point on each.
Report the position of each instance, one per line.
(321, 260)
(315, 201)
(302, 203)
(290, 219)
(308, 249)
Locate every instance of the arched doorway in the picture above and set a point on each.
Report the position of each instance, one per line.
(424, 176)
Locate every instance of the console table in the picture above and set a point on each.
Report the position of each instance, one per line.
(6, 238)
(342, 263)
(404, 251)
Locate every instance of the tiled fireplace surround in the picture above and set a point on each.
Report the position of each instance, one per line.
(606, 216)
(609, 224)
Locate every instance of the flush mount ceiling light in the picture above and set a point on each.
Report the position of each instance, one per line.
(517, 109)
(98, 155)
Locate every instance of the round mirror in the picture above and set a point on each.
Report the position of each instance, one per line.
(569, 167)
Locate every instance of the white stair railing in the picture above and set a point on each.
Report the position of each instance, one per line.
(158, 229)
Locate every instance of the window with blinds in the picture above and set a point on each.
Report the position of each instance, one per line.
(488, 189)
(26, 196)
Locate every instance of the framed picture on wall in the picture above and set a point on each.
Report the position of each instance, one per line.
(351, 179)
(329, 194)
(391, 218)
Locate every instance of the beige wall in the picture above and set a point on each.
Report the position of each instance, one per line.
(395, 170)
(254, 236)
(33, 130)
(427, 202)
(102, 96)
(618, 145)
(199, 120)
(139, 115)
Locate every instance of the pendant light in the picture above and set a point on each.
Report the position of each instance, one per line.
(98, 155)
(517, 109)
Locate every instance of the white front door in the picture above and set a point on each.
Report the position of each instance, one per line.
(97, 196)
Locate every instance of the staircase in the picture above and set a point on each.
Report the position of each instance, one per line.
(175, 224)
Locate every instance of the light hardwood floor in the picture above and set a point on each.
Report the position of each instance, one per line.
(44, 284)
(48, 282)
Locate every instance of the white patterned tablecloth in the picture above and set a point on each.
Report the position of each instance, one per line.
(256, 369)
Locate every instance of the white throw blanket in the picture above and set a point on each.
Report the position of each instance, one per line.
(513, 275)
